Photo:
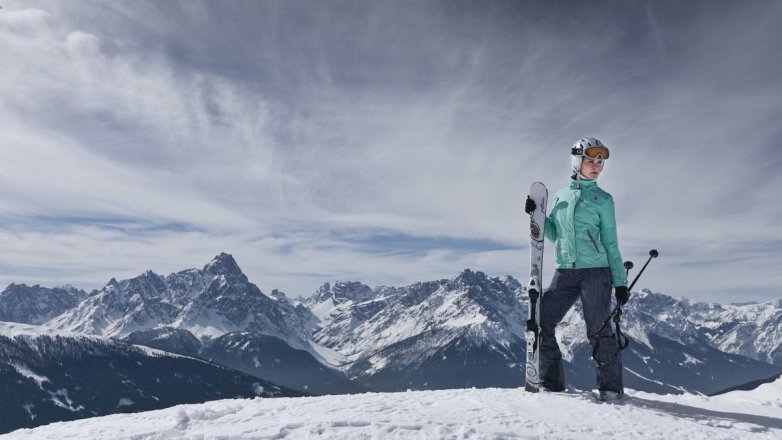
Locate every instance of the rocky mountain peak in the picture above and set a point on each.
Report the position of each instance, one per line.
(468, 278)
(322, 294)
(279, 295)
(352, 290)
(223, 264)
(36, 304)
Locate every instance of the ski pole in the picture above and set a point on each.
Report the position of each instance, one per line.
(652, 254)
(616, 314)
(629, 265)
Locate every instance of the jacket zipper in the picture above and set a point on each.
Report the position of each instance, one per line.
(589, 233)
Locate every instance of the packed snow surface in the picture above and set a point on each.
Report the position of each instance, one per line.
(15, 329)
(449, 414)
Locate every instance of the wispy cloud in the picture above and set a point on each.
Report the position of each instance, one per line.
(385, 141)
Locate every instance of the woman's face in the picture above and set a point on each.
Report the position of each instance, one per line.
(591, 168)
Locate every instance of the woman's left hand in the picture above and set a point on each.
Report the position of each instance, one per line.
(622, 295)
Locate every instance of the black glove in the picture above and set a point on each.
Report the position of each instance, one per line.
(622, 295)
(530, 206)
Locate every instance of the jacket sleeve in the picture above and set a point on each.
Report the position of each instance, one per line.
(551, 227)
(608, 237)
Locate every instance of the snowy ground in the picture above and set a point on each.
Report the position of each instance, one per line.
(451, 414)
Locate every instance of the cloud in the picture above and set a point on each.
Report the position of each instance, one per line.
(316, 140)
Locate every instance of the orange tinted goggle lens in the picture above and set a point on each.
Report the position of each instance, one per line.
(596, 152)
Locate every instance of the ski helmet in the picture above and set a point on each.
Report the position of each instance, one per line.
(589, 147)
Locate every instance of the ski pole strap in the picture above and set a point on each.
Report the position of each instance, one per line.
(622, 341)
(607, 321)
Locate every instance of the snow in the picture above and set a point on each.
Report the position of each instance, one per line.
(149, 351)
(28, 373)
(211, 326)
(15, 329)
(124, 401)
(691, 360)
(59, 395)
(448, 414)
(765, 400)
(326, 355)
(766, 395)
(28, 407)
(323, 310)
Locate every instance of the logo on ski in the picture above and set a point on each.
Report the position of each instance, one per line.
(534, 230)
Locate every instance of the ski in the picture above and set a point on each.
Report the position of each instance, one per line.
(537, 223)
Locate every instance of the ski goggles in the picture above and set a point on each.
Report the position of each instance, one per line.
(600, 152)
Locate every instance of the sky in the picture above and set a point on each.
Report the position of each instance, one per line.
(388, 142)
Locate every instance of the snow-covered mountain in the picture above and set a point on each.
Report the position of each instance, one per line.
(272, 359)
(467, 332)
(260, 355)
(752, 330)
(49, 375)
(673, 345)
(450, 333)
(204, 312)
(440, 334)
(36, 304)
(172, 340)
(208, 303)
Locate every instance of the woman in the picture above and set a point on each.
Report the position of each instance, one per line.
(582, 225)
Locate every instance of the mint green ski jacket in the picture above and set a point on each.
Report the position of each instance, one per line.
(582, 224)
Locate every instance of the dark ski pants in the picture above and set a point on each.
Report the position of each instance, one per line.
(593, 286)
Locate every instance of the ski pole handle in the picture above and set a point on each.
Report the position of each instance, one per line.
(652, 254)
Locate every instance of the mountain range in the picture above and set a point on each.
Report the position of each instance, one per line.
(467, 332)
(452, 333)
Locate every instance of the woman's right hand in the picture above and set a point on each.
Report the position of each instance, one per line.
(530, 206)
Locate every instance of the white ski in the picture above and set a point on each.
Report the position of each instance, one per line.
(537, 224)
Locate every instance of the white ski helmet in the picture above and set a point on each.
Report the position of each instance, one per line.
(590, 147)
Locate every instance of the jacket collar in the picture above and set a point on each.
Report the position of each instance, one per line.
(582, 184)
